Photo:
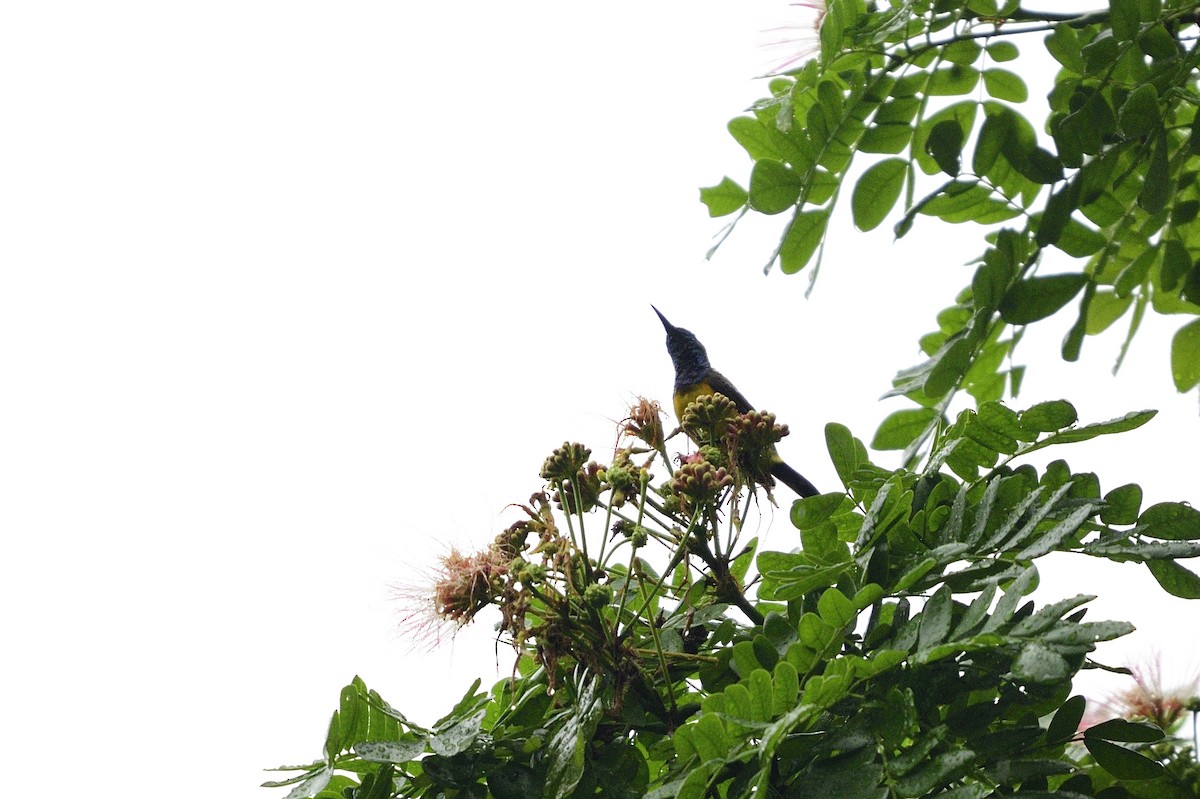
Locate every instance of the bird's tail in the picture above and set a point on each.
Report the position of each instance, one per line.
(793, 479)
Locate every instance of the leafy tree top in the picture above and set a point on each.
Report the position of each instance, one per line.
(923, 99)
(894, 652)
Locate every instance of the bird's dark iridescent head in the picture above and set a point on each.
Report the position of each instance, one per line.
(687, 354)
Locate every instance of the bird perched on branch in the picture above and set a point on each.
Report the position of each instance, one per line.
(695, 377)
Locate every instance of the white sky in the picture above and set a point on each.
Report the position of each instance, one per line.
(296, 296)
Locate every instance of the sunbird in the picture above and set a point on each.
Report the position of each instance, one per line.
(695, 377)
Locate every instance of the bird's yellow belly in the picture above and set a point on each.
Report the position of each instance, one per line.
(689, 395)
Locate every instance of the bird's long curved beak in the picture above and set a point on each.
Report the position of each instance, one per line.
(667, 325)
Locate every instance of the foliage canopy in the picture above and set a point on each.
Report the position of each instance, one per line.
(895, 651)
(923, 97)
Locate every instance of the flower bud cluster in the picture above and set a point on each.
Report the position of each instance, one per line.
(751, 438)
(636, 533)
(699, 482)
(706, 419)
(741, 444)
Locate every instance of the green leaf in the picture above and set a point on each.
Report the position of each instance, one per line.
(1135, 274)
(1063, 44)
(1066, 720)
(352, 717)
(766, 141)
(935, 619)
(1124, 731)
(1005, 85)
(1100, 53)
(1139, 114)
(1007, 606)
(938, 771)
(1074, 339)
(511, 781)
(1122, 763)
(1070, 137)
(724, 198)
(1106, 307)
(774, 188)
(917, 752)
(1194, 136)
(976, 612)
(1184, 212)
(1048, 417)
(853, 775)
(909, 578)
(952, 80)
(963, 51)
(1040, 166)
(821, 186)
(692, 786)
(967, 201)
(1120, 550)
(1156, 189)
(1002, 51)
(844, 450)
(808, 513)
(944, 144)
(832, 98)
(1158, 42)
(993, 134)
(785, 689)
(710, 738)
(778, 630)
(902, 427)
(1040, 664)
(1185, 355)
(991, 280)
(952, 364)
(458, 736)
(568, 745)
(835, 608)
(936, 127)
(312, 785)
(1036, 298)
(1005, 421)
(1079, 240)
(1051, 539)
(333, 739)
(784, 587)
(740, 565)
(1048, 616)
(1124, 18)
(867, 596)
(1172, 521)
(1086, 634)
(876, 192)
(1123, 424)
(1175, 579)
(815, 632)
(1057, 212)
(801, 239)
(390, 751)
(1121, 505)
(889, 138)
(995, 440)
(1059, 208)
(1176, 262)
(832, 30)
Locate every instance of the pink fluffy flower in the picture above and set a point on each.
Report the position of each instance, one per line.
(1148, 699)
(798, 42)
